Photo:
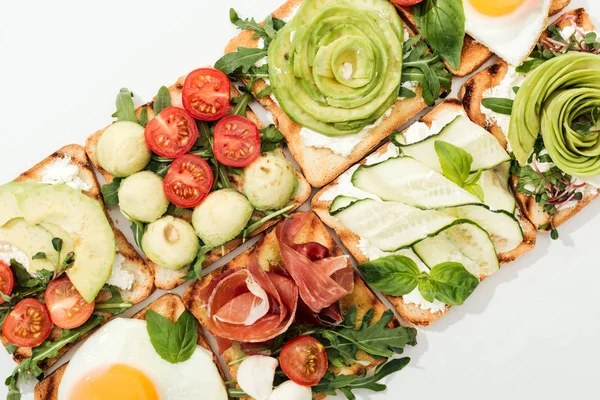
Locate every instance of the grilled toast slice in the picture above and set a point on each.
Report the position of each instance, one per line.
(474, 54)
(168, 279)
(411, 312)
(143, 285)
(321, 165)
(313, 231)
(471, 95)
(169, 306)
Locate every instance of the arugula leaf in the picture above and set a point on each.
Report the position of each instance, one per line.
(406, 93)
(143, 119)
(255, 225)
(125, 108)
(159, 168)
(455, 162)
(174, 342)
(498, 105)
(11, 348)
(110, 192)
(266, 31)
(442, 24)
(270, 138)
(115, 305)
(138, 232)
(163, 100)
(195, 271)
(452, 282)
(243, 59)
(241, 103)
(394, 275)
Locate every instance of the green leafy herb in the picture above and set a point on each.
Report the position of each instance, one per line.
(456, 165)
(195, 271)
(174, 342)
(158, 167)
(266, 31)
(110, 192)
(393, 275)
(206, 136)
(406, 93)
(163, 100)
(242, 59)
(270, 138)
(137, 228)
(143, 119)
(498, 105)
(39, 256)
(11, 348)
(115, 305)
(442, 24)
(241, 104)
(452, 283)
(125, 108)
(256, 225)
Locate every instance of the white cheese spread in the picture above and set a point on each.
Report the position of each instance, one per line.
(62, 171)
(10, 252)
(120, 277)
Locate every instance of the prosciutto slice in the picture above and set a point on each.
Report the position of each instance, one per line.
(320, 283)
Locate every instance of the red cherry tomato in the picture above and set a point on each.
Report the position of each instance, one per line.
(172, 133)
(304, 360)
(206, 94)
(67, 308)
(7, 280)
(28, 324)
(237, 141)
(312, 250)
(188, 181)
(405, 3)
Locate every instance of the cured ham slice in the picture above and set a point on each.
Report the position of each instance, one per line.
(320, 283)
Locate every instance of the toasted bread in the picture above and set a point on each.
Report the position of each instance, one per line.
(410, 312)
(268, 252)
(168, 279)
(169, 306)
(143, 285)
(471, 95)
(474, 54)
(320, 165)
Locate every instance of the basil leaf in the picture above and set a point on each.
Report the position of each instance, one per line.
(110, 192)
(392, 275)
(243, 58)
(475, 190)
(125, 108)
(453, 283)
(174, 342)
(163, 100)
(498, 105)
(427, 289)
(442, 24)
(455, 162)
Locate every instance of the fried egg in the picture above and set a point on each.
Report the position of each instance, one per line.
(509, 28)
(119, 362)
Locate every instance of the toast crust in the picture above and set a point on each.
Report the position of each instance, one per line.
(474, 54)
(143, 284)
(471, 95)
(168, 279)
(268, 249)
(411, 313)
(169, 306)
(320, 165)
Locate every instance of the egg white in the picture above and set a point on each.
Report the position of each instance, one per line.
(513, 36)
(126, 341)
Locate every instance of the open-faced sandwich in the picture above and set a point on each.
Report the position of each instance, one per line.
(466, 33)
(194, 163)
(292, 313)
(161, 353)
(545, 112)
(64, 268)
(429, 215)
(334, 89)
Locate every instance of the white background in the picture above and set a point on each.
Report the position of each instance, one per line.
(529, 332)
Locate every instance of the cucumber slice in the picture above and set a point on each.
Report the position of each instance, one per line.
(486, 151)
(465, 243)
(502, 227)
(406, 180)
(495, 191)
(340, 203)
(503, 171)
(392, 226)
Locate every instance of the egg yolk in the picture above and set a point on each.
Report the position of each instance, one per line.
(116, 382)
(496, 8)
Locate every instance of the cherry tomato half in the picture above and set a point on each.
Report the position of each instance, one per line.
(7, 280)
(172, 133)
(237, 141)
(405, 3)
(67, 308)
(206, 94)
(188, 181)
(28, 324)
(304, 360)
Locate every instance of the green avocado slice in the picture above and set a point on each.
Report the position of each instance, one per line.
(337, 66)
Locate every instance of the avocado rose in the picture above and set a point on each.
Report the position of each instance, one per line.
(337, 66)
(557, 99)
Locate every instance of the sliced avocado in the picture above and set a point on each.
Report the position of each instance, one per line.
(9, 208)
(270, 182)
(30, 239)
(81, 218)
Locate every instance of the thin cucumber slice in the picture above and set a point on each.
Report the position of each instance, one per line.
(502, 227)
(486, 151)
(495, 193)
(465, 243)
(392, 226)
(503, 172)
(340, 203)
(406, 180)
